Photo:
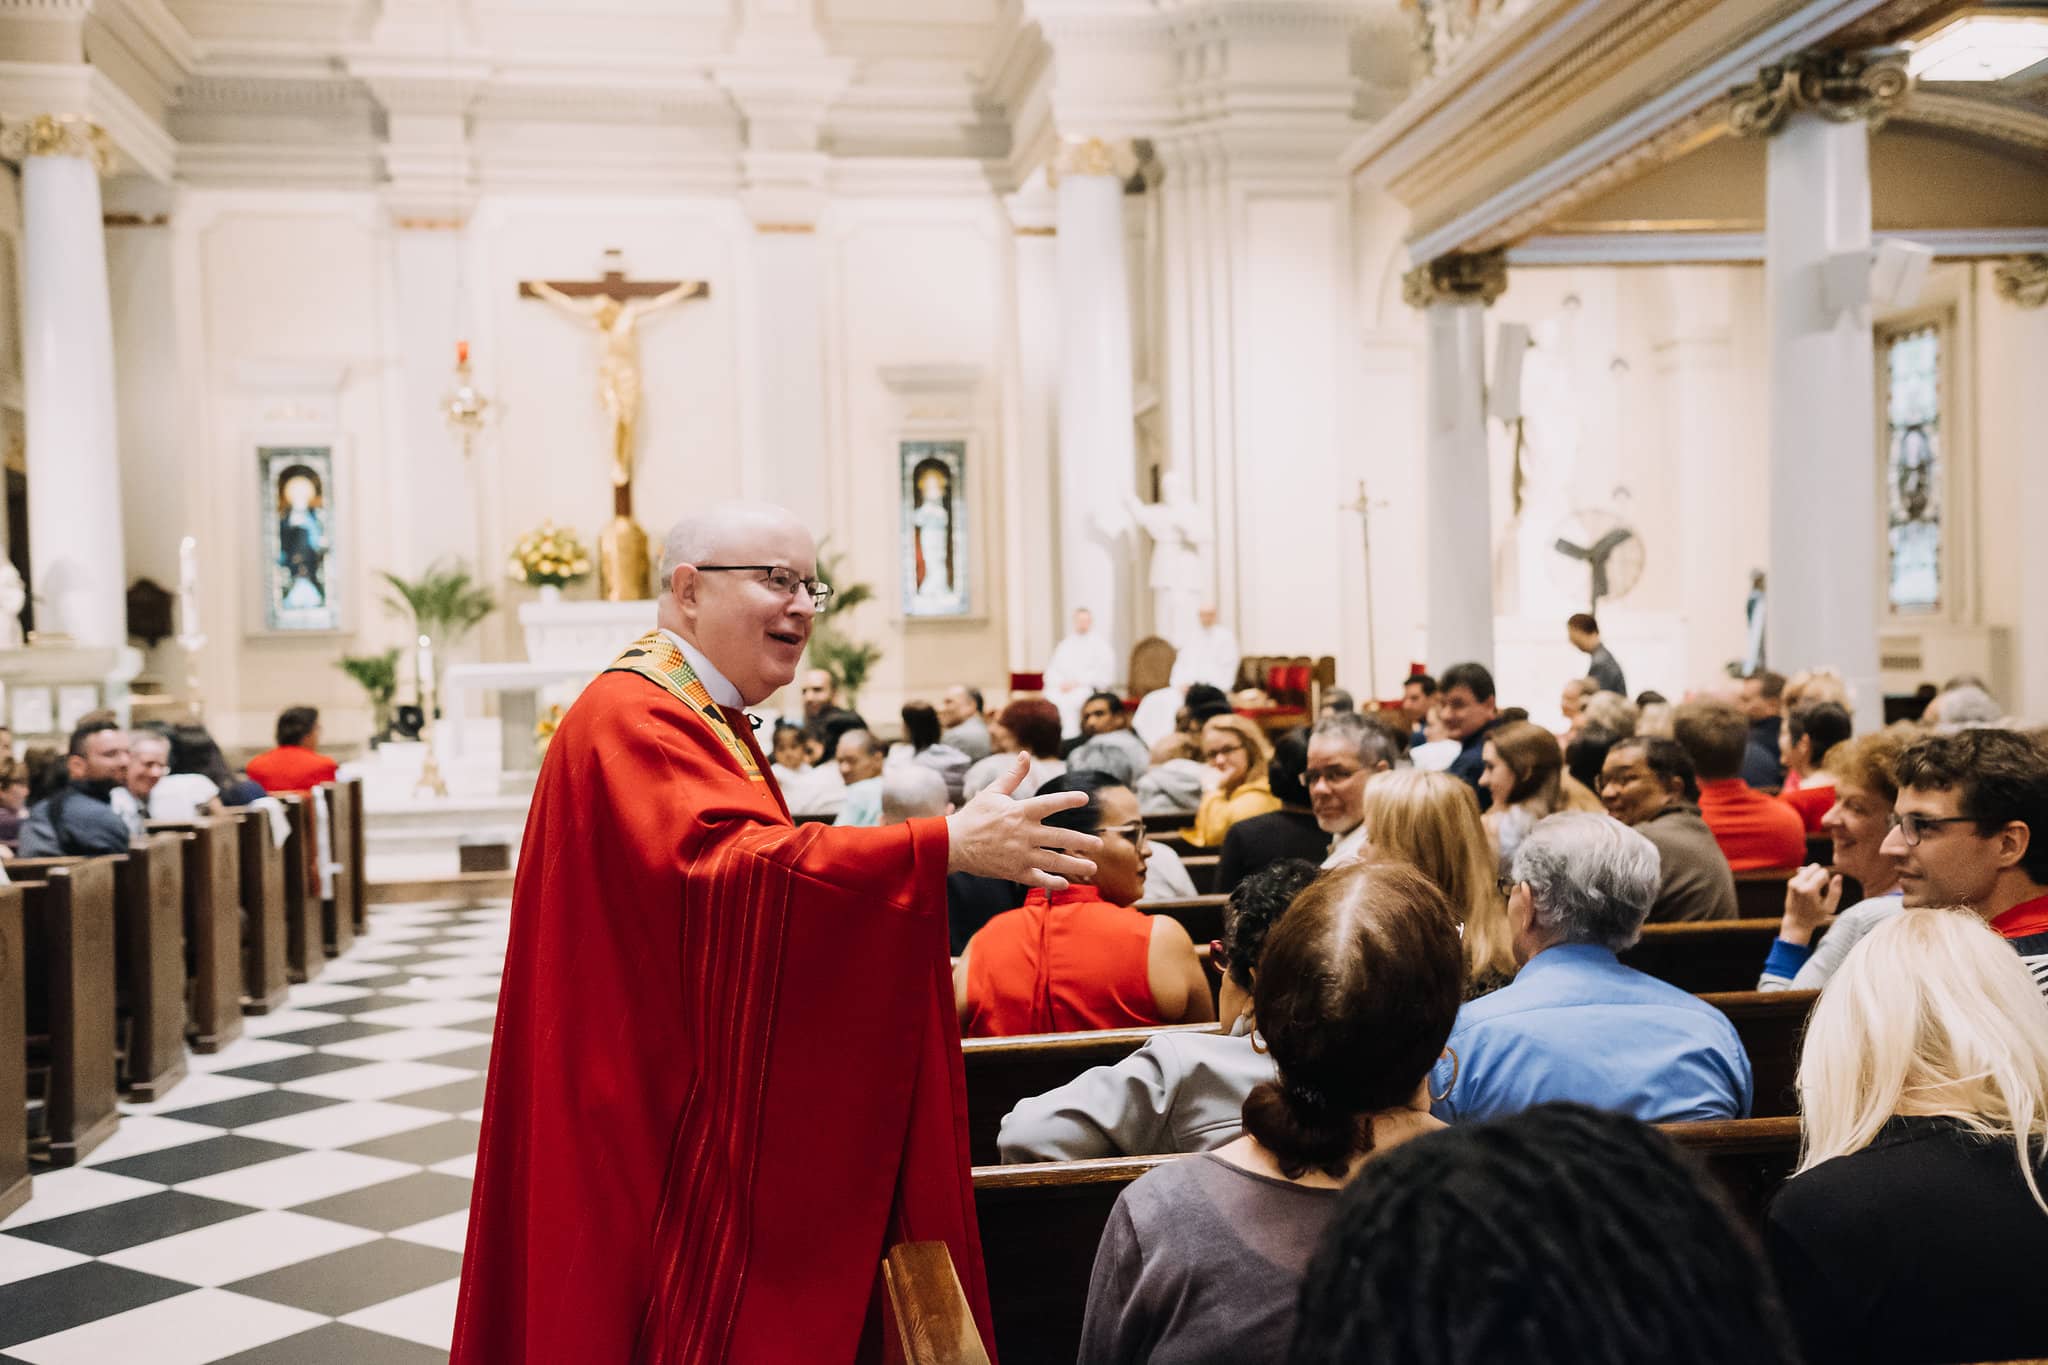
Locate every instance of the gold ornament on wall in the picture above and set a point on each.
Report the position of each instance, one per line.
(57, 135)
(1459, 277)
(2023, 280)
(1841, 87)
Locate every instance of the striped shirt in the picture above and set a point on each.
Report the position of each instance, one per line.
(2025, 927)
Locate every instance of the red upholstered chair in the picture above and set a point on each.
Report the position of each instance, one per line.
(1027, 682)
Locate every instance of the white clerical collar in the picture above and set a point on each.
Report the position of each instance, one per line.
(716, 683)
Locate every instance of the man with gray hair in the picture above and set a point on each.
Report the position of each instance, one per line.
(1575, 1024)
(1344, 751)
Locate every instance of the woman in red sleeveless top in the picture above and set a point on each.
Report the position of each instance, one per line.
(1082, 958)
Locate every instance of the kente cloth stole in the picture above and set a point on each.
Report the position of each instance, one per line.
(655, 657)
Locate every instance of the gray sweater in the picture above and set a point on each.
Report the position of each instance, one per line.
(1181, 1092)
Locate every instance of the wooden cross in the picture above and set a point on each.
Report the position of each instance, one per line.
(614, 284)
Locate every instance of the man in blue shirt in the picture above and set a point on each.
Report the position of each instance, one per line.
(1575, 1024)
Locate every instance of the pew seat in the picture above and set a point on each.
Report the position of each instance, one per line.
(1040, 1224)
(14, 1178)
(68, 956)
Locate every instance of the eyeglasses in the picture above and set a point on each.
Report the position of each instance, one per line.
(1915, 827)
(1333, 776)
(782, 580)
(1134, 831)
(1211, 755)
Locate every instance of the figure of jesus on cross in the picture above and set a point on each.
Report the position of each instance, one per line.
(615, 307)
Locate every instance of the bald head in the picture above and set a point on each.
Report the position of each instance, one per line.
(913, 791)
(731, 532)
(720, 593)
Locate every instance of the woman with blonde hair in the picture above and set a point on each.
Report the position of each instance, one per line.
(1916, 1225)
(1238, 751)
(1430, 821)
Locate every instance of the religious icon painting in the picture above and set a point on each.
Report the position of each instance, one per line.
(934, 528)
(297, 507)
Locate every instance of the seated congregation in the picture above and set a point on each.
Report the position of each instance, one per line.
(151, 896)
(1703, 1031)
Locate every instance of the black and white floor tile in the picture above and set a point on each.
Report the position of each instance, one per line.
(301, 1197)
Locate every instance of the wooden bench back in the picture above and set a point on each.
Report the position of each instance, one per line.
(14, 1181)
(1002, 1071)
(1772, 1026)
(1707, 956)
(1761, 894)
(1040, 1224)
(1201, 916)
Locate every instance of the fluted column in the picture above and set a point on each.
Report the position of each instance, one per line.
(76, 571)
(1825, 569)
(1097, 444)
(1453, 293)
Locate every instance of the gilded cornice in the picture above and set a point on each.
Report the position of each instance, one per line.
(1093, 156)
(1461, 277)
(57, 135)
(2023, 280)
(2018, 125)
(1640, 28)
(1842, 87)
(1695, 130)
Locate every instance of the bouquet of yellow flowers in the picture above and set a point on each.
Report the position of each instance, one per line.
(549, 557)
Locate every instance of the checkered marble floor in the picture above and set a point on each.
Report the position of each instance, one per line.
(301, 1197)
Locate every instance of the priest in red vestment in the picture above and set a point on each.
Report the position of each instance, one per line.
(726, 1074)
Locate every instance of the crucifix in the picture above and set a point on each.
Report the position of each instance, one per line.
(615, 306)
(1364, 506)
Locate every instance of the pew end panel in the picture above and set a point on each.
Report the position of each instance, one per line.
(68, 930)
(213, 931)
(338, 916)
(265, 979)
(1772, 1026)
(305, 950)
(934, 1324)
(14, 1177)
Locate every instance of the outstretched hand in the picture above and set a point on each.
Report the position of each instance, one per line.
(996, 836)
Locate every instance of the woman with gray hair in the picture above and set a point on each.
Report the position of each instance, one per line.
(1575, 1024)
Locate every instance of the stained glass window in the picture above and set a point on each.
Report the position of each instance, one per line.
(1913, 460)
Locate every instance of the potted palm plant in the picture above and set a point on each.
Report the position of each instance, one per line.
(445, 603)
(377, 675)
(848, 661)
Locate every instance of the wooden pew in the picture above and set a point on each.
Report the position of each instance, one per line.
(1772, 1026)
(1708, 955)
(213, 929)
(14, 1181)
(340, 912)
(1002, 1071)
(1761, 894)
(1040, 1224)
(934, 1324)
(1202, 916)
(68, 933)
(149, 958)
(351, 852)
(1202, 868)
(264, 938)
(304, 944)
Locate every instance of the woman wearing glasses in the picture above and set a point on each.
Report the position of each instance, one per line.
(1238, 752)
(1865, 773)
(1081, 957)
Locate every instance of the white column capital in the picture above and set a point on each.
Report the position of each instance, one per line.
(57, 135)
(2023, 280)
(1842, 87)
(1457, 278)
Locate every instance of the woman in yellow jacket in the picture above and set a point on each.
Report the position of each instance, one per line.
(1238, 751)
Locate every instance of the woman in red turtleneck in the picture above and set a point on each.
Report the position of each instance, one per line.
(1082, 958)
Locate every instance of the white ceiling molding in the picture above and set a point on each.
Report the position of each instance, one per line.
(139, 140)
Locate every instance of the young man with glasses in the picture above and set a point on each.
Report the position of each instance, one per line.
(1970, 829)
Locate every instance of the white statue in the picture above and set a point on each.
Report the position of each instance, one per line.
(1080, 664)
(1176, 527)
(934, 525)
(13, 597)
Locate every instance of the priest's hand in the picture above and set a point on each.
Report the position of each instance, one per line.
(996, 836)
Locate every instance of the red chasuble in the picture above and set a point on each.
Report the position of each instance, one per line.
(726, 1074)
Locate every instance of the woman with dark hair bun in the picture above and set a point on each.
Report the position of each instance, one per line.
(1356, 992)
